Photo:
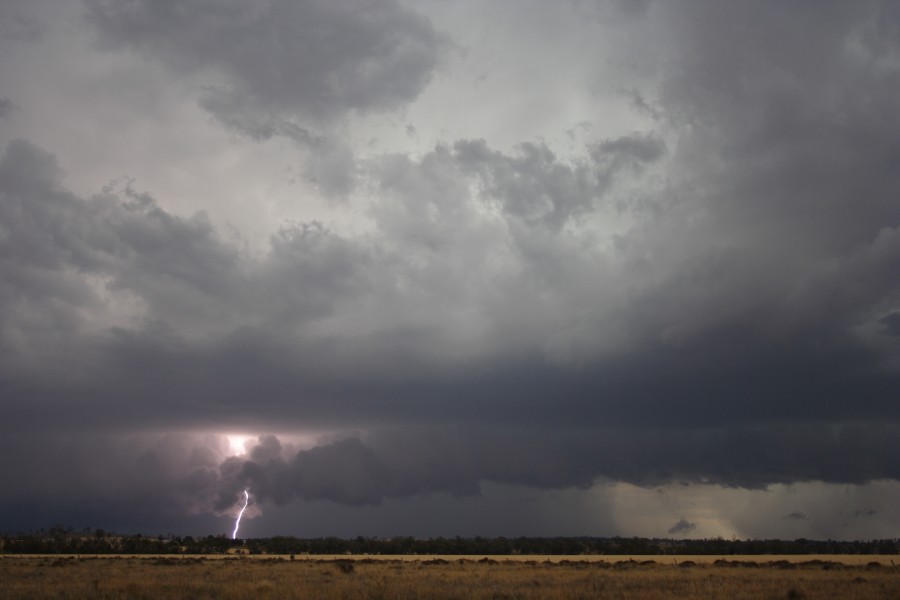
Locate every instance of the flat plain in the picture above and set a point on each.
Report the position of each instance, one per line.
(448, 577)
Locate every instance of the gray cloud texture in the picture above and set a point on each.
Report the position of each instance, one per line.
(18, 24)
(174, 476)
(682, 528)
(309, 58)
(6, 107)
(282, 68)
(711, 299)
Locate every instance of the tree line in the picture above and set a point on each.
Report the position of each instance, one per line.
(64, 540)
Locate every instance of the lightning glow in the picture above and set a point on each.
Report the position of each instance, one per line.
(237, 523)
(237, 444)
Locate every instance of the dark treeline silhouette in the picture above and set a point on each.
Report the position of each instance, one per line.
(64, 540)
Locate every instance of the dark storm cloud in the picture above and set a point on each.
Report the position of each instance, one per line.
(682, 527)
(780, 192)
(320, 327)
(891, 323)
(268, 65)
(309, 58)
(53, 239)
(714, 302)
(173, 476)
(796, 103)
(393, 463)
(89, 479)
(797, 516)
(190, 300)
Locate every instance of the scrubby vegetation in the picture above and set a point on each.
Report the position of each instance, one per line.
(176, 578)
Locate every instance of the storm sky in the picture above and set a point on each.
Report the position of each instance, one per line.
(451, 267)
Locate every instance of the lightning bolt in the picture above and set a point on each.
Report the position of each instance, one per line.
(237, 523)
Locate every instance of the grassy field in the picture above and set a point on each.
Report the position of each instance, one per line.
(496, 578)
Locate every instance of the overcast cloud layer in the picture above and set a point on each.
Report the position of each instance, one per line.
(495, 264)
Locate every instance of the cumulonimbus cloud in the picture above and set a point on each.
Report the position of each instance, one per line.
(712, 299)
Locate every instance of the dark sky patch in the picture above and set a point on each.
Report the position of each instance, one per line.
(682, 528)
(797, 516)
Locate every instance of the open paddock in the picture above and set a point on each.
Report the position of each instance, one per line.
(884, 560)
(447, 577)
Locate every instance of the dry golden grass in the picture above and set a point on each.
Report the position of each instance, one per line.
(179, 578)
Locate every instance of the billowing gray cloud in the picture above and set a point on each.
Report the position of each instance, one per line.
(535, 186)
(274, 67)
(707, 298)
(287, 59)
(166, 312)
(173, 476)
